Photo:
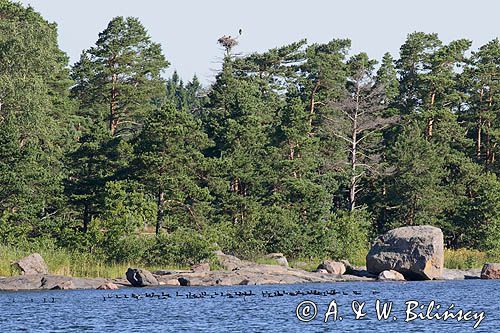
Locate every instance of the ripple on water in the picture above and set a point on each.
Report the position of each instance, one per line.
(93, 311)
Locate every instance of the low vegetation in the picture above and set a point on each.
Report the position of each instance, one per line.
(63, 262)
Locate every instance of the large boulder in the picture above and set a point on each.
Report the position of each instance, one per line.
(416, 252)
(491, 271)
(32, 265)
(141, 277)
(332, 267)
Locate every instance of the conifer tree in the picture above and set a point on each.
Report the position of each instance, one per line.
(117, 83)
(34, 118)
(481, 80)
(119, 79)
(170, 163)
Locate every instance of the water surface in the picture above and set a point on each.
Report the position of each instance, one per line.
(203, 309)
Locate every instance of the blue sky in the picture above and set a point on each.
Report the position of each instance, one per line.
(188, 29)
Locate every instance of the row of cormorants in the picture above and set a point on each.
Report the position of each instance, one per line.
(204, 294)
(218, 294)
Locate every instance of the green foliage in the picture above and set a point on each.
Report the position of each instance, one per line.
(415, 190)
(118, 80)
(269, 158)
(33, 102)
(170, 163)
(352, 231)
(182, 247)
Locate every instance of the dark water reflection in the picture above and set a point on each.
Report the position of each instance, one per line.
(94, 311)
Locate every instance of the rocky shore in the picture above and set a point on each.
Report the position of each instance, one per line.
(409, 253)
(236, 272)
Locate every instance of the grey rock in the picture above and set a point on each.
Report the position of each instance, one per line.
(108, 286)
(458, 274)
(279, 258)
(56, 282)
(333, 267)
(491, 271)
(184, 282)
(49, 282)
(170, 282)
(21, 282)
(140, 277)
(348, 267)
(229, 262)
(361, 272)
(32, 265)
(201, 267)
(390, 276)
(170, 272)
(416, 252)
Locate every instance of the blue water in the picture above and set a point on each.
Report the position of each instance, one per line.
(101, 311)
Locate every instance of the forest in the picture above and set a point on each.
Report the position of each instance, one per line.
(305, 149)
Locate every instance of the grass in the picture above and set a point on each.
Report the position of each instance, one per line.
(305, 264)
(63, 262)
(466, 259)
(265, 261)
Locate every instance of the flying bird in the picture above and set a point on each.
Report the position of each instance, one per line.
(240, 31)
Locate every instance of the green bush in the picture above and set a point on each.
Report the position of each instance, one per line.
(351, 236)
(181, 247)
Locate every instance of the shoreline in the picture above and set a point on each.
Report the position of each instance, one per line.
(245, 273)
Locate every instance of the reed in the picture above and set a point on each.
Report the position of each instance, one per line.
(466, 258)
(68, 263)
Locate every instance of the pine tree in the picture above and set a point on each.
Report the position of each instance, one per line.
(387, 78)
(414, 191)
(414, 58)
(190, 97)
(34, 118)
(118, 83)
(119, 80)
(481, 80)
(238, 120)
(170, 163)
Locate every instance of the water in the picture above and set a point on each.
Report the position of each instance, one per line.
(93, 311)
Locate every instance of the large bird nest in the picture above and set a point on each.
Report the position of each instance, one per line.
(227, 42)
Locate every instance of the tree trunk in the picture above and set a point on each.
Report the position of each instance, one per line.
(113, 119)
(430, 122)
(312, 102)
(479, 126)
(430, 128)
(160, 211)
(489, 152)
(354, 139)
(86, 217)
(488, 142)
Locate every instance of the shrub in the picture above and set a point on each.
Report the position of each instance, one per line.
(351, 236)
(181, 247)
